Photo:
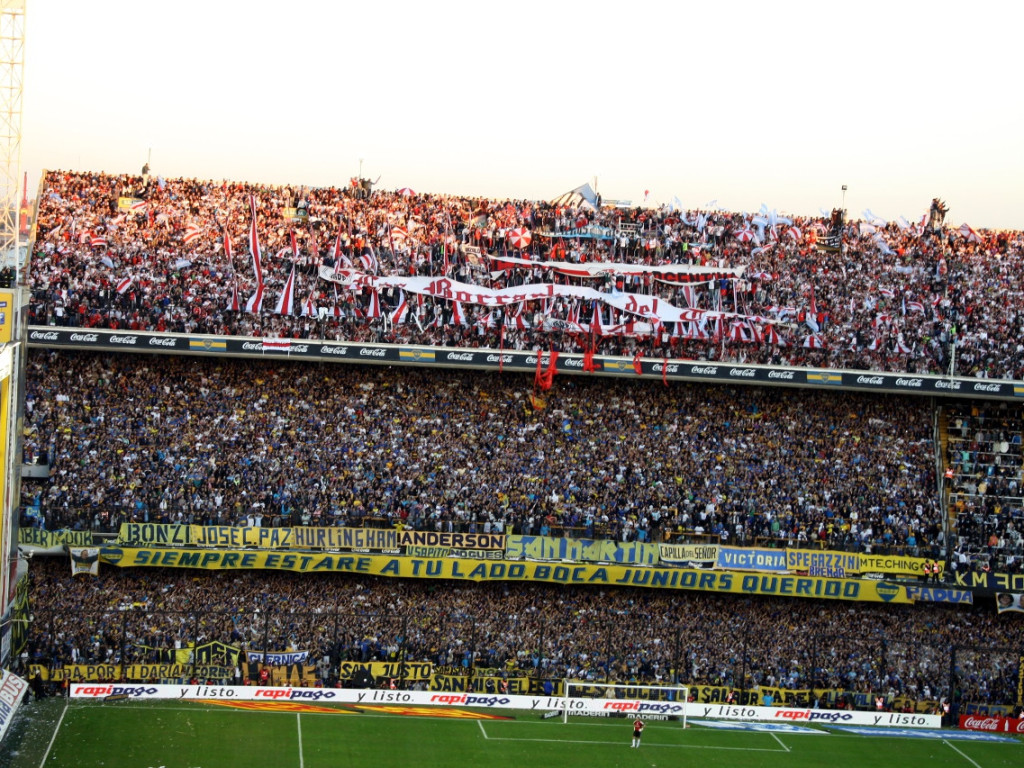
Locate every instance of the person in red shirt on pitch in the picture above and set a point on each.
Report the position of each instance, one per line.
(638, 728)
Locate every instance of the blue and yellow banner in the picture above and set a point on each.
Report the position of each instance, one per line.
(751, 559)
(38, 538)
(504, 570)
(302, 537)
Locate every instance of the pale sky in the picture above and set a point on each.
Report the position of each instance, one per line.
(744, 103)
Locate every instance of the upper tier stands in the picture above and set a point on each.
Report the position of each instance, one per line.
(892, 299)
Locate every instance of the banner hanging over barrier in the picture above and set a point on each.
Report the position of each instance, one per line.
(503, 570)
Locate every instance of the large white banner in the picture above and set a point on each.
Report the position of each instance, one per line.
(648, 307)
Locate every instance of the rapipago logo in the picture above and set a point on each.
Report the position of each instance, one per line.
(643, 706)
(313, 694)
(111, 555)
(470, 700)
(811, 715)
(887, 591)
(112, 690)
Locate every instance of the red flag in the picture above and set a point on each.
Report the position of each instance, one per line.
(544, 379)
(637, 365)
(588, 360)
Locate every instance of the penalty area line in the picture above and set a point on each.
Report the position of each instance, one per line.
(776, 737)
(647, 745)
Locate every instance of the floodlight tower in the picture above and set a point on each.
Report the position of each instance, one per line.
(12, 70)
(13, 317)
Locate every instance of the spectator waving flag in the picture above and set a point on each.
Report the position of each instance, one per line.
(255, 302)
(124, 284)
(969, 234)
(286, 303)
(309, 307)
(254, 245)
(235, 304)
(340, 259)
(401, 312)
(192, 233)
(369, 260)
(458, 316)
(373, 311)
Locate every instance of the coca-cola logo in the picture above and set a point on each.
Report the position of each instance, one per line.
(787, 375)
(499, 358)
(372, 352)
(574, 363)
(123, 339)
(43, 336)
(981, 723)
(909, 382)
(948, 385)
(300, 348)
(704, 370)
(461, 357)
(869, 380)
(90, 337)
(987, 387)
(158, 342)
(669, 368)
(746, 373)
(252, 346)
(326, 350)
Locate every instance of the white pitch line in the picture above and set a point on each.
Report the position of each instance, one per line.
(965, 757)
(775, 736)
(54, 737)
(647, 745)
(481, 724)
(298, 725)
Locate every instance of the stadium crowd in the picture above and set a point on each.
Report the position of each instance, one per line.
(545, 631)
(249, 442)
(895, 296)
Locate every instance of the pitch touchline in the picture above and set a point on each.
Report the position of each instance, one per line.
(55, 731)
(965, 757)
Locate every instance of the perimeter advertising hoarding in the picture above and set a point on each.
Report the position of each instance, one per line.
(522, 361)
(488, 701)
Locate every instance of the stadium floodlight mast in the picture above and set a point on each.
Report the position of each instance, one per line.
(589, 699)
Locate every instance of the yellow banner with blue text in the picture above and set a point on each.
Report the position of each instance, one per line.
(504, 570)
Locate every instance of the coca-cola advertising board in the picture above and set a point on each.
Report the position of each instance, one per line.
(992, 723)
